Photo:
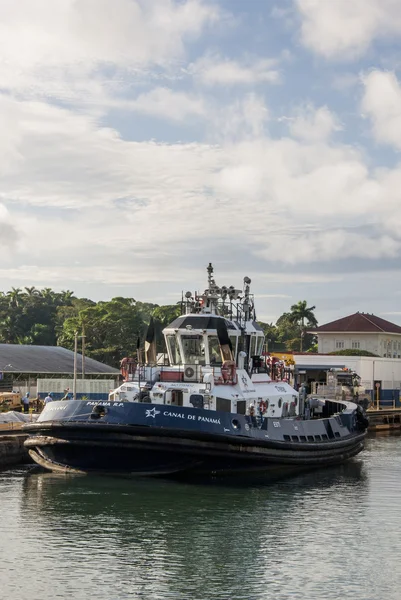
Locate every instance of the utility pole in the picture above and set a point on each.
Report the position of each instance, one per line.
(74, 385)
(83, 352)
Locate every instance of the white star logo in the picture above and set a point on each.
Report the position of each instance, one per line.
(152, 412)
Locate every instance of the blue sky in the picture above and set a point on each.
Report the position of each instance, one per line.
(142, 139)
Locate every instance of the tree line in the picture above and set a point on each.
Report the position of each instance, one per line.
(114, 329)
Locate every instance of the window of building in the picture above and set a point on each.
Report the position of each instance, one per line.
(339, 344)
(355, 345)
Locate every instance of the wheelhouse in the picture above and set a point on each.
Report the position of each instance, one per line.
(193, 340)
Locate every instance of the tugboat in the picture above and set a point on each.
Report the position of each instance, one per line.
(214, 407)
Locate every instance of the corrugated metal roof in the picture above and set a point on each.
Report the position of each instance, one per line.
(18, 358)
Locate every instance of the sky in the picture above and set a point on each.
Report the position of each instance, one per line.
(142, 139)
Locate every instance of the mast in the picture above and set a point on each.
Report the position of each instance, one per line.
(247, 304)
(210, 280)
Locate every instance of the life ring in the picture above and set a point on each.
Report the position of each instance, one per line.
(262, 407)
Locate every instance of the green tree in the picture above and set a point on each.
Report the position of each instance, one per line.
(48, 294)
(271, 335)
(15, 296)
(301, 313)
(163, 316)
(288, 333)
(10, 331)
(111, 329)
(32, 291)
(66, 297)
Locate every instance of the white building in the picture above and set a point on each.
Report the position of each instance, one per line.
(360, 331)
(380, 377)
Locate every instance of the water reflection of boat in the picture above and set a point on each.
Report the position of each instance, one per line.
(213, 409)
(157, 539)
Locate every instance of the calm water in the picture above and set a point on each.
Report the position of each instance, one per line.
(333, 534)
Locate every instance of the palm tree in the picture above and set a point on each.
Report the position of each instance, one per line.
(15, 296)
(300, 313)
(32, 291)
(9, 330)
(48, 294)
(66, 296)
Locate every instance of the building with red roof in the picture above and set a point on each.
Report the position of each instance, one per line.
(360, 331)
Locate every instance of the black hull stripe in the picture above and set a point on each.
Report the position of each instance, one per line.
(200, 448)
(127, 432)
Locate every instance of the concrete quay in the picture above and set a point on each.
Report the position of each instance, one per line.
(12, 450)
(384, 419)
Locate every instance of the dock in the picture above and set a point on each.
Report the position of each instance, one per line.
(12, 450)
(384, 419)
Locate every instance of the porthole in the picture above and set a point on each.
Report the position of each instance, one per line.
(236, 424)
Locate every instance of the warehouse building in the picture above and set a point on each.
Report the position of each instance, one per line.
(44, 369)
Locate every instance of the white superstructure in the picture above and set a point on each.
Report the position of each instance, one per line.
(214, 360)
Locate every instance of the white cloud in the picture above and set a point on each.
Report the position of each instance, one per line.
(86, 205)
(111, 200)
(314, 125)
(381, 102)
(330, 245)
(272, 296)
(345, 81)
(214, 70)
(71, 49)
(157, 203)
(9, 234)
(169, 104)
(345, 29)
(244, 117)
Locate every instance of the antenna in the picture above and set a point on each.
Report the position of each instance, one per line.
(247, 307)
(209, 275)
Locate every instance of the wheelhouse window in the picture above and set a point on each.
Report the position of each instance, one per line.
(173, 350)
(259, 345)
(356, 345)
(234, 342)
(214, 351)
(193, 347)
(339, 344)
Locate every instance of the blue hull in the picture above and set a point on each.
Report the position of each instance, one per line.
(151, 439)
